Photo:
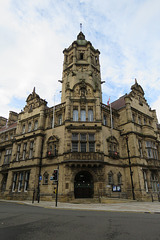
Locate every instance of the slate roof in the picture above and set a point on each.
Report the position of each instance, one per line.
(119, 103)
(6, 128)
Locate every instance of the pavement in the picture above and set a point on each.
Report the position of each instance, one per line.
(134, 206)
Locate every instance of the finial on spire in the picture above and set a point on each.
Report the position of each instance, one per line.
(135, 80)
(80, 27)
(34, 90)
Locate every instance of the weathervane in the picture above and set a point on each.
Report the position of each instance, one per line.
(80, 27)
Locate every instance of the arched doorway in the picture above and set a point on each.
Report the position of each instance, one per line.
(83, 185)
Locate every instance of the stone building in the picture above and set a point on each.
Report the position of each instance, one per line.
(100, 150)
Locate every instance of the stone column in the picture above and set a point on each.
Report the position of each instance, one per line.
(98, 109)
(128, 110)
(89, 58)
(41, 119)
(67, 112)
(74, 58)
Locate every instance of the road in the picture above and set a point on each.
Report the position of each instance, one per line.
(23, 222)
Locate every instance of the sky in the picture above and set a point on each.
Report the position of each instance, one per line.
(34, 33)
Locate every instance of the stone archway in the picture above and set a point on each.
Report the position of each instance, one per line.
(83, 185)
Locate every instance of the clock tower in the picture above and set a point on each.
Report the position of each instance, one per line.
(81, 80)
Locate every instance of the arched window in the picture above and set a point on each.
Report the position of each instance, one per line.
(113, 147)
(90, 115)
(83, 115)
(36, 125)
(119, 178)
(23, 129)
(45, 178)
(110, 178)
(154, 181)
(29, 126)
(75, 115)
(104, 120)
(60, 119)
(52, 148)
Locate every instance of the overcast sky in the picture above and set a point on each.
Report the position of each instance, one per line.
(34, 33)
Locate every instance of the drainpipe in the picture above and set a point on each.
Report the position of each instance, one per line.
(131, 173)
(39, 175)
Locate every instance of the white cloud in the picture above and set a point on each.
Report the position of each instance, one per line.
(33, 35)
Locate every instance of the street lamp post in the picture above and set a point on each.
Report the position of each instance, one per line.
(131, 173)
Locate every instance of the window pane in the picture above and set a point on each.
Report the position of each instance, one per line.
(91, 147)
(83, 115)
(83, 146)
(148, 143)
(133, 117)
(60, 119)
(14, 182)
(105, 120)
(35, 125)
(26, 181)
(75, 115)
(110, 178)
(74, 146)
(74, 136)
(83, 137)
(91, 137)
(29, 127)
(24, 151)
(31, 150)
(20, 182)
(23, 129)
(90, 115)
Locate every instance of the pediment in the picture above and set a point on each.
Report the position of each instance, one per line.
(112, 139)
(53, 138)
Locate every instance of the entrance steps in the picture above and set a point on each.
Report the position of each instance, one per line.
(100, 200)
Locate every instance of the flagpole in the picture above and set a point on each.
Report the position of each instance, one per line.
(111, 119)
(53, 113)
(108, 103)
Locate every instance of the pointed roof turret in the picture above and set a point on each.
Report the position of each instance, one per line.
(80, 36)
(81, 39)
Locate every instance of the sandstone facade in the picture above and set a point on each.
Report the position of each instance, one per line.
(97, 155)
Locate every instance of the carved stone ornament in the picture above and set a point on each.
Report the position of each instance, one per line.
(34, 101)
